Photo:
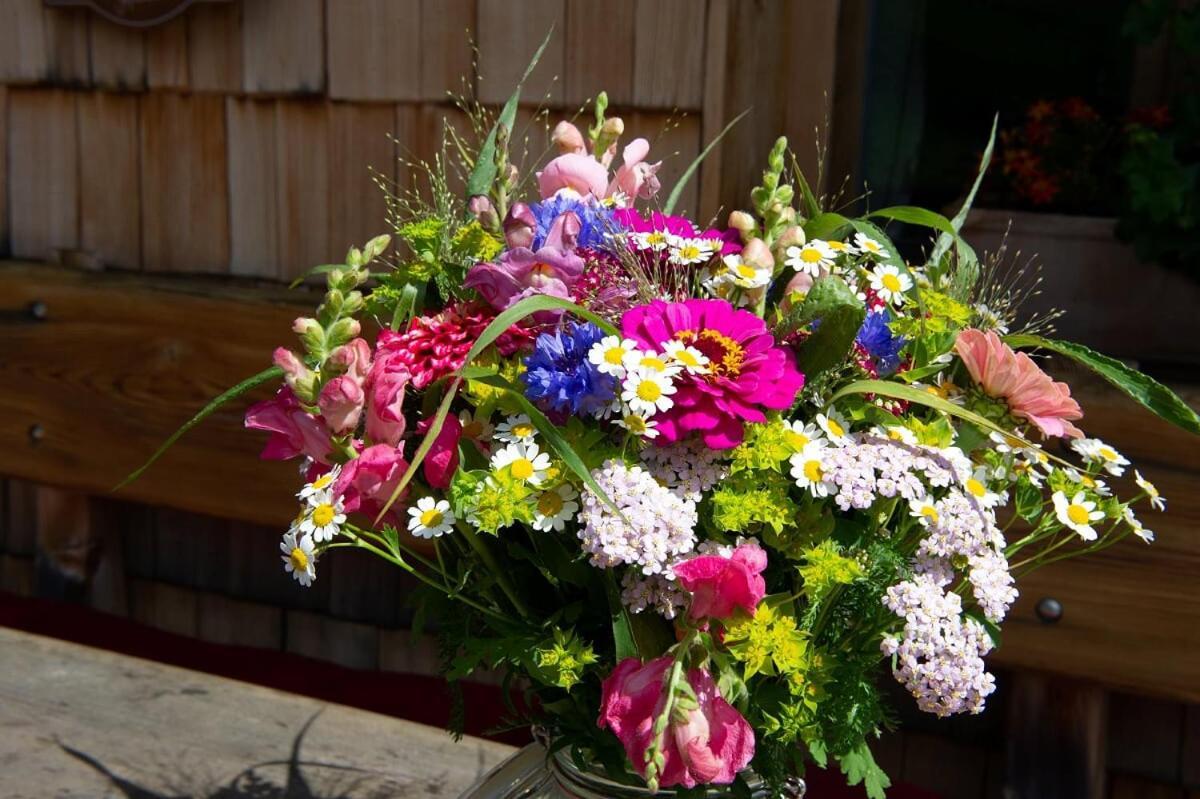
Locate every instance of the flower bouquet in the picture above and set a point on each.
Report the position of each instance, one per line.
(696, 486)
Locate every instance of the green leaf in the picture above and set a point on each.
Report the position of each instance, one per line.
(635, 635)
(1029, 502)
(673, 197)
(1146, 391)
(406, 307)
(528, 307)
(945, 240)
(823, 226)
(812, 208)
(484, 173)
(874, 231)
(859, 766)
(916, 216)
(841, 315)
(266, 375)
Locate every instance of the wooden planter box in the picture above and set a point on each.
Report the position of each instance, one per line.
(1113, 302)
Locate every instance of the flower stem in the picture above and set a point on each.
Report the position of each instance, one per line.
(489, 560)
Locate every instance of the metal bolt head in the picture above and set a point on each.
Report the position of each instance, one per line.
(36, 433)
(38, 310)
(1049, 610)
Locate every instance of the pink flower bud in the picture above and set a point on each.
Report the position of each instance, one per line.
(484, 212)
(741, 221)
(757, 253)
(791, 237)
(519, 226)
(341, 404)
(567, 138)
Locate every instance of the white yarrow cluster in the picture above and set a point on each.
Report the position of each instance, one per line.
(688, 467)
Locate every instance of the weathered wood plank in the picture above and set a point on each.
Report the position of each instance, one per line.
(118, 56)
(355, 646)
(1057, 735)
(674, 140)
(715, 115)
(66, 31)
(945, 767)
(253, 188)
(165, 607)
(509, 34)
(185, 184)
(43, 183)
(109, 184)
(20, 523)
(4, 243)
(60, 703)
(375, 50)
(23, 54)
(229, 621)
(302, 190)
(118, 365)
(283, 46)
(1145, 738)
(1127, 787)
(669, 54)
(167, 55)
(214, 47)
(360, 146)
(448, 30)
(600, 41)
(16, 575)
(1190, 758)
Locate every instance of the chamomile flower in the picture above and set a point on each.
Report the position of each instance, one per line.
(745, 275)
(324, 520)
(898, 433)
(1156, 500)
(609, 354)
(1077, 513)
(1136, 526)
(319, 490)
(924, 510)
(516, 430)
(836, 429)
(889, 283)
(945, 388)
(811, 257)
(1096, 451)
(808, 469)
(842, 247)
(1097, 487)
(647, 391)
(299, 560)
(525, 461)
(691, 359)
(976, 487)
(554, 508)
(868, 246)
(639, 425)
(656, 240)
(799, 435)
(476, 427)
(685, 252)
(430, 518)
(651, 361)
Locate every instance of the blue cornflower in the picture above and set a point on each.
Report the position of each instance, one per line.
(560, 379)
(595, 221)
(876, 338)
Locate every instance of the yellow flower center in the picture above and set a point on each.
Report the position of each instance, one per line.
(870, 246)
(890, 282)
(837, 246)
(635, 424)
(322, 514)
(550, 504)
(796, 440)
(522, 468)
(746, 271)
(473, 429)
(614, 355)
(656, 238)
(654, 362)
(976, 488)
(812, 471)
(431, 518)
(1108, 453)
(523, 429)
(930, 513)
(1087, 481)
(648, 391)
(689, 252)
(724, 354)
(322, 481)
(810, 255)
(1078, 514)
(687, 358)
(835, 429)
(299, 559)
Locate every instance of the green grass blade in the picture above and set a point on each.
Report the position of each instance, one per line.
(528, 307)
(673, 197)
(946, 240)
(435, 428)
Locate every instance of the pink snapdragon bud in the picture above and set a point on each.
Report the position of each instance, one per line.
(299, 378)
(635, 178)
(757, 253)
(293, 430)
(341, 403)
(367, 482)
(484, 212)
(606, 143)
(519, 226)
(567, 138)
(581, 174)
(442, 460)
(385, 407)
(352, 359)
(743, 223)
(790, 237)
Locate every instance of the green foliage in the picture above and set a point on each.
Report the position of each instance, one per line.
(766, 447)
(841, 315)
(824, 568)
(943, 314)
(747, 502)
(561, 661)
(500, 501)
(769, 642)
(859, 766)
(472, 244)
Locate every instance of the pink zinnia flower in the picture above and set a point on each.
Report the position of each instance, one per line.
(720, 585)
(710, 745)
(1015, 378)
(294, 431)
(747, 372)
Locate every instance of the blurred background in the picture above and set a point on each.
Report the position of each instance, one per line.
(167, 167)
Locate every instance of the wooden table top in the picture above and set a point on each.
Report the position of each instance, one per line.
(82, 722)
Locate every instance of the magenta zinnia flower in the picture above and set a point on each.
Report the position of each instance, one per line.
(747, 371)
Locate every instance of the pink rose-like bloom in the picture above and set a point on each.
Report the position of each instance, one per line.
(366, 483)
(341, 404)
(747, 372)
(294, 431)
(385, 406)
(442, 459)
(635, 178)
(1015, 378)
(710, 747)
(576, 171)
(720, 585)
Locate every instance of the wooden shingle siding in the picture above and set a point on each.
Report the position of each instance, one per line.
(509, 33)
(43, 178)
(253, 181)
(214, 47)
(360, 146)
(448, 31)
(283, 46)
(374, 49)
(109, 183)
(185, 187)
(118, 56)
(302, 187)
(4, 242)
(599, 34)
(167, 55)
(23, 54)
(66, 33)
(668, 54)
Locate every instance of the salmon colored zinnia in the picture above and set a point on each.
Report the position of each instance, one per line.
(1015, 378)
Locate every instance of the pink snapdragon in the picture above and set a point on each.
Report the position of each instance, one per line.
(294, 431)
(366, 483)
(721, 585)
(442, 459)
(587, 175)
(708, 744)
(385, 406)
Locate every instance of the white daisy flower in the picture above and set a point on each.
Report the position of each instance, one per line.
(842, 247)
(430, 518)
(1156, 500)
(691, 359)
(890, 283)
(898, 433)
(689, 251)
(745, 275)
(647, 391)
(319, 491)
(1096, 451)
(924, 510)
(1098, 487)
(809, 471)
(554, 508)
(609, 354)
(836, 428)
(868, 246)
(810, 257)
(656, 240)
(525, 461)
(1077, 513)
(990, 320)
(516, 430)
(976, 486)
(652, 361)
(639, 425)
(1136, 525)
(476, 427)
(798, 434)
(324, 520)
(299, 560)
